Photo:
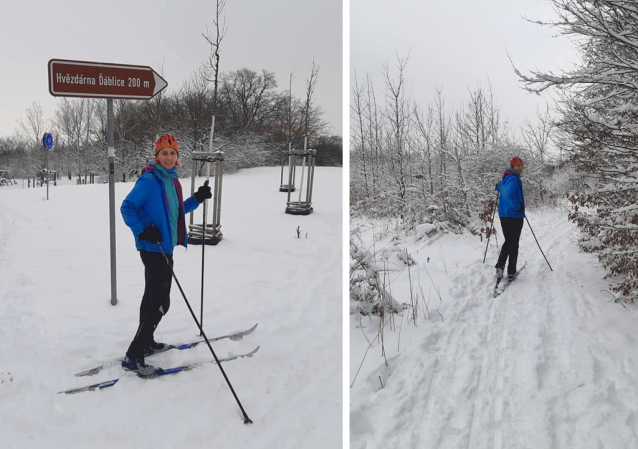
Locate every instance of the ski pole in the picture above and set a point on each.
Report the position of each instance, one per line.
(201, 313)
(491, 226)
(247, 420)
(539, 246)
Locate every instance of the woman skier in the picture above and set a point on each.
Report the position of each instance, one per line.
(155, 210)
(511, 211)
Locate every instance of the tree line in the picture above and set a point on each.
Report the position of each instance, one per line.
(254, 123)
(434, 165)
(430, 164)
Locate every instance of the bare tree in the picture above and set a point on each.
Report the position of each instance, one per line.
(307, 112)
(398, 116)
(424, 138)
(442, 139)
(32, 129)
(193, 107)
(214, 39)
(359, 135)
(248, 99)
(538, 136)
(73, 121)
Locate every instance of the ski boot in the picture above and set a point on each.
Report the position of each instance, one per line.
(154, 348)
(138, 366)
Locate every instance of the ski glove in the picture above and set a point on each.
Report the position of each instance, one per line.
(203, 193)
(151, 234)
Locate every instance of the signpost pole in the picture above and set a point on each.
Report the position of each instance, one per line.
(47, 164)
(110, 137)
(47, 145)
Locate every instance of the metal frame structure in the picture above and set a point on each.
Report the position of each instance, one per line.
(204, 233)
(287, 154)
(303, 206)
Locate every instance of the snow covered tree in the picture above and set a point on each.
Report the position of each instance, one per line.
(600, 129)
(12, 150)
(426, 165)
(75, 120)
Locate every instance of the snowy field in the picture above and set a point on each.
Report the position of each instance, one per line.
(550, 363)
(56, 319)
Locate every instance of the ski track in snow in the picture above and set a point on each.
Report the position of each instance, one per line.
(550, 363)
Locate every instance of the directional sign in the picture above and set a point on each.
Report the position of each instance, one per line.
(103, 80)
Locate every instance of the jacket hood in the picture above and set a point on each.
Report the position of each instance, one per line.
(149, 167)
(510, 172)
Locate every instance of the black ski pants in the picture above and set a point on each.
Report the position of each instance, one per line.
(155, 302)
(512, 228)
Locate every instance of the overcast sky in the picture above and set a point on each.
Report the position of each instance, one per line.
(276, 35)
(458, 45)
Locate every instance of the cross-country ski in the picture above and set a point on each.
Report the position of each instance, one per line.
(159, 373)
(498, 291)
(234, 336)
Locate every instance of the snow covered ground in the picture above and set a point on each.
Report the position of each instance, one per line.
(56, 319)
(551, 363)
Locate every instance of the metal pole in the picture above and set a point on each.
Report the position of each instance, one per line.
(491, 226)
(247, 420)
(205, 216)
(47, 158)
(215, 193)
(539, 246)
(283, 163)
(201, 309)
(204, 220)
(193, 187)
(218, 190)
(311, 175)
(291, 165)
(303, 168)
(110, 138)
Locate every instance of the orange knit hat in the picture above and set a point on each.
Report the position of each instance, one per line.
(166, 141)
(516, 161)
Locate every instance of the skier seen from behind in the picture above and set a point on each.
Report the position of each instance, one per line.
(511, 211)
(155, 210)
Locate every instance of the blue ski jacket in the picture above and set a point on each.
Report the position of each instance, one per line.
(511, 202)
(148, 203)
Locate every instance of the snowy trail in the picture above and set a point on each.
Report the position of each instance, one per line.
(549, 363)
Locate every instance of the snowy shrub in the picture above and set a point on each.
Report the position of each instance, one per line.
(366, 286)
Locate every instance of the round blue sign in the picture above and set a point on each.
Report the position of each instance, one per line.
(47, 141)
